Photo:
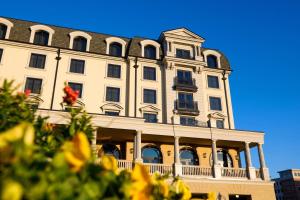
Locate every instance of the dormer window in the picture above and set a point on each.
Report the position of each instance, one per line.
(150, 52)
(80, 43)
(182, 53)
(212, 61)
(3, 30)
(115, 49)
(41, 38)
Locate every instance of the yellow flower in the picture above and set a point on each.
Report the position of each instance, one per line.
(141, 183)
(182, 188)
(161, 183)
(23, 131)
(77, 151)
(12, 190)
(109, 162)
(212, 196)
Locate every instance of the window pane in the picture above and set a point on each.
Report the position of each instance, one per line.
(111, 113)
(188, 157)
(149, 96)
(41, 38)
(112, 150)
(1, 53)
(76, 87)
(79, 44)
(149, 73)
(188, 121)
(212, 61)
(112, 94)
(77, 66)
(34, 85)
(220, 123)
(150, 117)
(182, 53)
(114, 71)
(151, 155)
(115, 49)
(3, 29)
(215, 103)
(37, 61)
(184, 77)
(213, 81)
(150, 52)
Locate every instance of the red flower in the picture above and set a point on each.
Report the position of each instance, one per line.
(27, 92)
(70, 95)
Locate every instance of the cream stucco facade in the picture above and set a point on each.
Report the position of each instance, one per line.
(204, 154)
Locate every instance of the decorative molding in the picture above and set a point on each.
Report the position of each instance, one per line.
(36, 28)
(117, 40)
(8, 24)
(75, 34)
(111, 106)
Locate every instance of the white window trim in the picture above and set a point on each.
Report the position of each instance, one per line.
(8, 24)
(37, 28)
(214, 53)
(117, 40)
(144, 43)
(75, 34)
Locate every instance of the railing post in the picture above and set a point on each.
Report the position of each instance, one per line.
(94, 143)
(216, 166)
(177, 164)
(138, 147)
(250, 169)
(263, 168)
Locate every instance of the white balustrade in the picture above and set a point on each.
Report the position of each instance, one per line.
(190, 170)
(125, 164)
(160, 168)
(234, 172)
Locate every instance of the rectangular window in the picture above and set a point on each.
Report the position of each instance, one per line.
(114, 71)
(77, 66)
(113, 94)
(37, 61)
(76, 87)
(152, 118)
(184, 77)
(188, 121)
(149, 96)
(1, 53)
(220, 123)
(34, 85)
(150, 73)
(215, 103)
(112, 113)
(186, 100)
(182, 53)
(213, 81)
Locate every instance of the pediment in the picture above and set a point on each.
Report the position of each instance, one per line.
(183, 32)
(34, 99)
(217, 115)
(111, 106)
(149, 108)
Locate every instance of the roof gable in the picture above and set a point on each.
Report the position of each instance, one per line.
(183, 32)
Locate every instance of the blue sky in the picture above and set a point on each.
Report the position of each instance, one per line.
(260, 38)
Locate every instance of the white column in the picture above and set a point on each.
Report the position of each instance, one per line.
(263, 168)
(138, 147)
(250, 169)
(177, 164)
(94, 143)
(215, 164)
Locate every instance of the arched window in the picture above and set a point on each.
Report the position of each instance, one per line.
(188, 157)
(41, 38)
(115, 49)
(79, 43)
(3, 30)
(212, 61)
(151, 154)
(150, 52)
(111, 149)
(224, 159)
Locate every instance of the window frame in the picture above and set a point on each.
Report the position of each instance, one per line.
(38, 55)
(114, 65)
(187, 122)
(75, 60)
(5, 32)
(39, 42)
(8, 25)
(153, 90)
(153, 114)
(110, 111)
(222, 125)
(208, 81)
(1, 55)
(82, 47)
(80, 95)
(36, 28)
(155, 73)
(182, 53)
(147, 51)
(116, 54)
(117, 40)
(31, 90)
(210, 105)
(75, 34)
(106, 92)
(215, 61)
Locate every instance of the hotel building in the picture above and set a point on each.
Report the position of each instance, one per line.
(163, 102)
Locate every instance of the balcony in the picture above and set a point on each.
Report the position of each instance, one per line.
(187, 108)
(185, 84)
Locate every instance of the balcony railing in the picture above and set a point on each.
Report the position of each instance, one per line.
(190, 170)
(160, 168)
(185, 84)
(234, 172)
(125, 164)
(185, 107)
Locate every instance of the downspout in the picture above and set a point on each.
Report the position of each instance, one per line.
(57, 58)
(226, 98)
(135, 85)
